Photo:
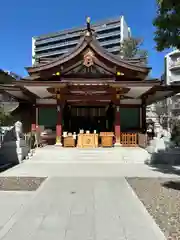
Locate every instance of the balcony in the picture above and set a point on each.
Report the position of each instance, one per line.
(69, 44)
(52, 54)
(100, 34)
(112, 28)
(176, 107)
(58, 38)
(54, 46)
(175, 65)
(114, 49)
(174, 79)
(107, 43)
(106, 35)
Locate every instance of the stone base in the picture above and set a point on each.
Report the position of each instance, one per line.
(59, 144)
(117, 144)
(58, 141)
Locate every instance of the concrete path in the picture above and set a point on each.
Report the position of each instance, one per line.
(84, 197)
(63, 169)
(83, 208)
(11, 203)
(63, 162)
(56, 154)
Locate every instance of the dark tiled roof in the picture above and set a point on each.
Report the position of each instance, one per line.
(90, 41)
(5, 77)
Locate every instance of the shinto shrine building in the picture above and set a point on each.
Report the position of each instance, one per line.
(89, 93)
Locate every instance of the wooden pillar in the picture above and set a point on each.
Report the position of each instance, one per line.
(143, 115)
(33, 119)
(117, 127)
(59, 124)
(37, 116)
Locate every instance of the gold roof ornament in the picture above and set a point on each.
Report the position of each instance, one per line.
(88, 20)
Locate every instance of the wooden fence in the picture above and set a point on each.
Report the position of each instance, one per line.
(129, 139)
(134, 139)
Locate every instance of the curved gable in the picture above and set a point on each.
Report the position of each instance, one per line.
(88, 41)
(59, 61)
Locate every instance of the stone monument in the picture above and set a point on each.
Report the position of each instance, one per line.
(14, 147)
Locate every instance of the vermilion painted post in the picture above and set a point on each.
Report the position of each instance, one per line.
(59, 124)
(117, 127)
(33, 121)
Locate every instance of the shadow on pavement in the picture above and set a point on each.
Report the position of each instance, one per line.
(172, 184)
(5, 167)
(168, 169)
(165, 168)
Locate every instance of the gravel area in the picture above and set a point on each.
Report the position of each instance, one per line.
(161, 198)
(20, 183)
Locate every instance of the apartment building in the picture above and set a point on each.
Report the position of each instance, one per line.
(110, 33)
(170, 106)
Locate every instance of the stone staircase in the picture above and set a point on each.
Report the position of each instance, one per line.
(54, 154)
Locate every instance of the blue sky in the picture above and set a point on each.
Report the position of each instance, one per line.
(21, 20)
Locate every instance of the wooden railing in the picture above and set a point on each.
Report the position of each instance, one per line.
(129, 139)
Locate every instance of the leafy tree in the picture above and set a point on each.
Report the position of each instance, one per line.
(131, 48)
(167, 23)
(161, 112)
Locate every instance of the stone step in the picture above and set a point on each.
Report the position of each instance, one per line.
(98, 155)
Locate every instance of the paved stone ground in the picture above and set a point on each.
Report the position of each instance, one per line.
(84, 197)
(116, 162)
(37, 169)
(10, 205)
(56, 154)
(83, 208)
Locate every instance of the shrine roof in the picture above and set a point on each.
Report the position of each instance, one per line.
(5, 77)
(89, 41)
(151, 90)
(107, 73)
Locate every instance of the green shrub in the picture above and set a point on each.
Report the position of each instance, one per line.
(175, 135)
